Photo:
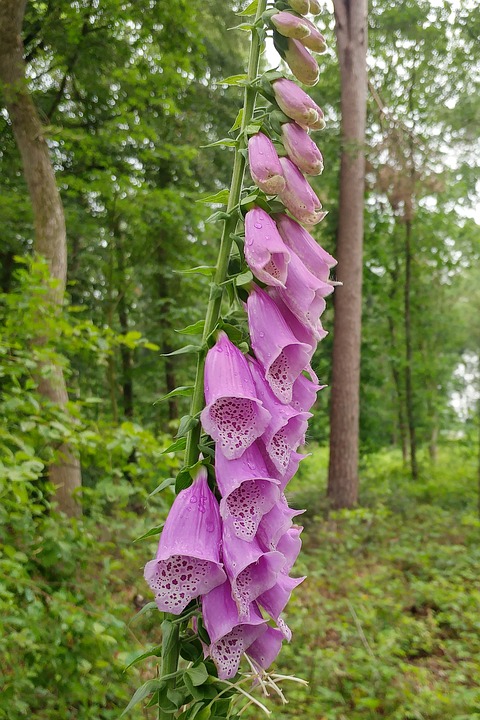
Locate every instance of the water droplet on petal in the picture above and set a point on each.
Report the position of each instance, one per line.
(193, 499)
(258, 225)
(262, 334)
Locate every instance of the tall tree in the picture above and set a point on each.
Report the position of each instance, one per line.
(351, 34)
(49, 221)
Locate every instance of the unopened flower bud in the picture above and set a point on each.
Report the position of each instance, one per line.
(314, 40)
(264, 163)
(301, 63)
(300, 6)
(301, 149)
(290, 25)
(315, 7)
(295, 103)
(298, 196)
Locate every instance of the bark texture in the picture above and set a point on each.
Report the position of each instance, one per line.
(50, 234)
(351, 34)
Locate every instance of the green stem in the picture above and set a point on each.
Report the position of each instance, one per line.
(170, 655)
(215, 299)
(171, 650)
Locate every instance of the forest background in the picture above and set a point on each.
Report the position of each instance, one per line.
(388, 624)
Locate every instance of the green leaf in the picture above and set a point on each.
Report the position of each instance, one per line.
(155, 530)
(183, 350)
(251, 9)
(246, 27)
(142, 692)
(193, 329)
(218, 215)
(183, 481)
(153, 652)
(235, 79)
(224, 142)
(176, 446)
(187, 422)
(149, 606)
(238, 121)
(199, 270)
(166, 483)
(198, 675)
(220, 197)
(181, 391)
(243, 278)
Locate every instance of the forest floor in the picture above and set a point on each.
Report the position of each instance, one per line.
(387, 624)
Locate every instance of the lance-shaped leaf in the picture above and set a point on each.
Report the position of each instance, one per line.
(187, 563)
(234, 416)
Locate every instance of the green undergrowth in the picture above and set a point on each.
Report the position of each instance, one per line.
(387, 625)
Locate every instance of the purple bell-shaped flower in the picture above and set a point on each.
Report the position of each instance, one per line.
(304, 333)
(282, 356)
(187, 563)
(234, 416)
(305, 295)
(265, 252)
(248, 492)
(317, 260)
(304, 393)
(275, 524)
(287, 426)
(266, 648)
(250, 570)
(229, 636)
(275, 599)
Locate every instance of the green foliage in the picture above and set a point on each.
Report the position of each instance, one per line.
(387, 623)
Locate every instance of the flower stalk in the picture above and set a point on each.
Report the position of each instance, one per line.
(215, 299)
(171, 650)
(226, 550)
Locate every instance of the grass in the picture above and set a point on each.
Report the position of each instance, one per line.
(387, 625)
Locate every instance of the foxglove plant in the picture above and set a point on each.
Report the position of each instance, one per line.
(222, 572)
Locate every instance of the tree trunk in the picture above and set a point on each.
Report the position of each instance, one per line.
(408, 350)
(125, 352)
(50, 234)
(351, 33)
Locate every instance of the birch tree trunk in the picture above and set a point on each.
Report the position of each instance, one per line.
(351, 33)
(50, 235)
